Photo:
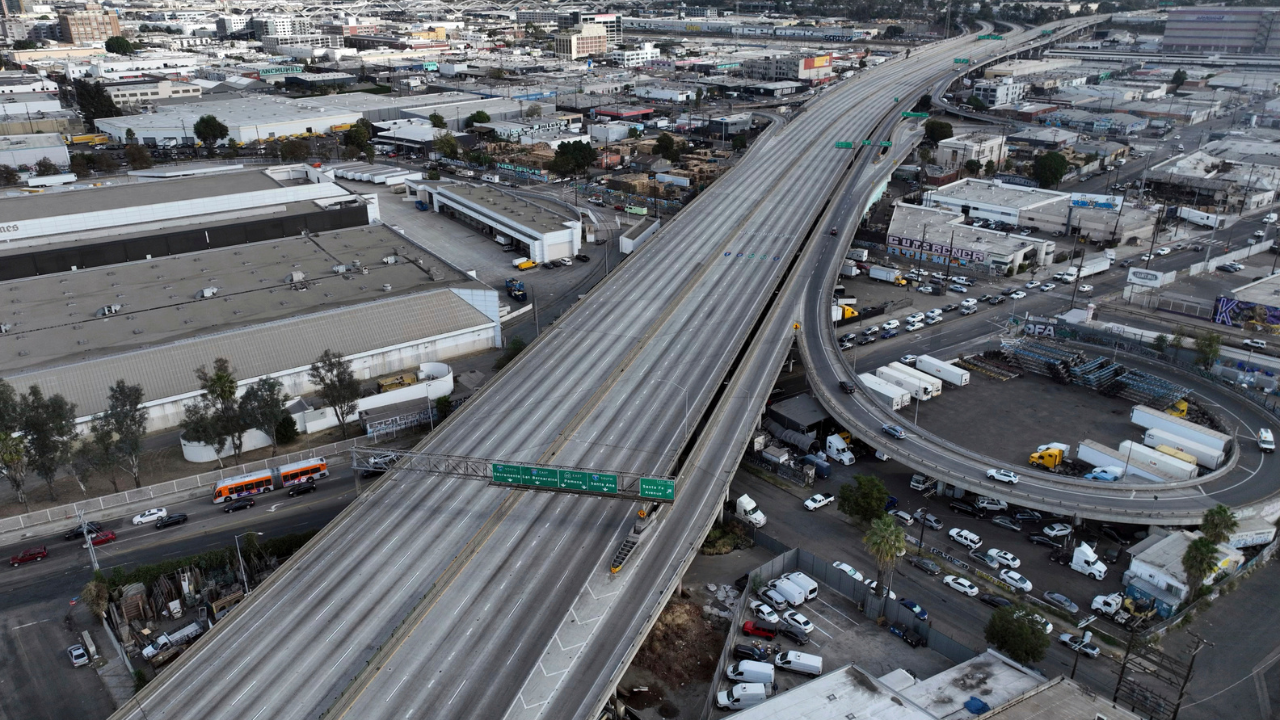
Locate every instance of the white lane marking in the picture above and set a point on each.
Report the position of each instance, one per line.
(393, 692)
(513, 609)
(837, 611)
(233, 672)
(513, 653)
(242, 692)
(326, 607)
(335, 631)
(455, 692)
(344, 657)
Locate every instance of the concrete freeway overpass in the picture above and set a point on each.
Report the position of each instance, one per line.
(442, 597)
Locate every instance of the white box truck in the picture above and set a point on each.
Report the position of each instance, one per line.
(884, 274)
(1094, 265)
(933, 383)
(918, 390)
(896, 397)
(1141, 456)
(942, 370)
(1207, 457)
(747, 510)
(1151, 418)
(1202, 219)
(743, 695)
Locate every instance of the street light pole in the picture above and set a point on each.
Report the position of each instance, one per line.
(244, 573)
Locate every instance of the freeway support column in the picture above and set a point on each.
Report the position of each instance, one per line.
(943, 490)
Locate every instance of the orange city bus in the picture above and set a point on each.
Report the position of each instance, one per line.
(262, 481)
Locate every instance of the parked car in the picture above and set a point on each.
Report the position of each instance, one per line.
(874, 588)
(819, 501)
(1016, 580)
(1077, 643)
(151, 515)
(960, 585)
(994, 601)
(1036, 620)
(1061, 601)
(774, 599)
(963, 537)
(967, 508)
(847, 569)
(763, 611)
(797, 621)
(929, 520)
(100, 538)
(80, 530)
(174, 519)
(35, 554)
(748, 652)
(1005, 558)
(908, 635)
(1057, 530)
(79, 657)
(930, 567)
(903, 517)
(1024, 515)
(1007, 522)
(1045, 541)
(793, 633)
(918, 611)
(760, 629)
(241, 504)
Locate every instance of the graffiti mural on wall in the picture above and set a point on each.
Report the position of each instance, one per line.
(1247, 315)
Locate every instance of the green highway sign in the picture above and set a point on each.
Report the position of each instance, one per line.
(866, 142)
(510, 473)
(543, 477)
(915, 115)
(962, 61)
(886, 143)
(595, 482)
(896, 100)
(657, 489)
(990, 37)
(844, 145)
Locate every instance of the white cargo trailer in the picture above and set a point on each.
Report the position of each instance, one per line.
(942, 370)
(896, 397)
(1101, 456)
(918, 390)
(933, 383)
(1207, 457)
(1151, 418)
(1093, 266)
(1141, 456)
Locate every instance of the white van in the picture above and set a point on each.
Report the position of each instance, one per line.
(804, 582)
(1266, 441)
(965, 538)
(921, 482)
(750, 671)
(799, 662)
(743, 695)
(789, 591)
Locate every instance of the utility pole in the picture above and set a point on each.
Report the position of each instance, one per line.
(1186, 677)
(88, 539)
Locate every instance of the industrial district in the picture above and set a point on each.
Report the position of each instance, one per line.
(638, 360)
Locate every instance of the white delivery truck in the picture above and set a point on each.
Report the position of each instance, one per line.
(804, 582)
(838, 450)
(1095, 265)
(173, 639)
(799, 662)
(750, 671)
(917, 389)
(1141, 456)
(1205, 456)
(743, 695)
(896, 397)
(747, 510)
(1151, 418)
(1086, 562)
(942, 370)
(934, 384)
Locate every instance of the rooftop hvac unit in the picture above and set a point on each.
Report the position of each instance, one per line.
(205, 293)
(386, 287)
(391, 260)
(106, 310)
(296, 276)
(339, 269)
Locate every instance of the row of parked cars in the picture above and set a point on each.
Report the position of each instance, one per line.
(775, 615)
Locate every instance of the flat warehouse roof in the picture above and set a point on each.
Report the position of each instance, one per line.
(515, 210)
(55, 319)
(994, 193)
(112, 197)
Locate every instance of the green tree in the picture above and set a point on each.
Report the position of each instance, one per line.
(1199, 562)
(494, 73)
(990, 168)
(534, 110)
(937, 130)
(1049, 168)
(130, 136)
(1177, 340)
(117, 45)
(94, 101)
(514, 347)
(437, 120)
(214, 417)
(263, 408)
(433, 174)
(633, 133)
(1179, 78)
(894, 31)
(573, 158)
(444, 406)
(1218, 523)
(445, 144)
(973, 167)
(356, 136)
(48, 427)
(667, 147)
(338, 388)
(976, 103)
(294, 151)
(697, 99)
(104, 163)
(13, 450)
(8, 175)
(884, 541)
(1014, 632)
(1208, 346)
(125, 423)
(1161, 343)
(96, 594)
(478, 116)
(210, 130)
(138, 157)
(24, 45)
(45, 167)
(82, 165)
(739, 142)
(925, 155)
(866, 501)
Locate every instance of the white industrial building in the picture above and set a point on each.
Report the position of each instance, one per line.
(19, 150)
(634, 57)
(32, 104)
(936, 235)
(539, 233)
(1156, 567)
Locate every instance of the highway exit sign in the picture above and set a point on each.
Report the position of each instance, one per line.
(962, 61)
(915, 115)
(886, 143)
(866, 142)
(657, 488)
(844, 145)
(532, 476)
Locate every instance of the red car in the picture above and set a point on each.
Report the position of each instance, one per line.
(766, 630)
(35, 554)
(102, 538)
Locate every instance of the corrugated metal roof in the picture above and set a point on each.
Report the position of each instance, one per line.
(169, 370)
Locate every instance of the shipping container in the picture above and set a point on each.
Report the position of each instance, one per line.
(1100, 456)
(943, 370)
(1207, 457)
(1154, 419)
(933, 383)
(1141, 456)
(918, 390)
(896, 397)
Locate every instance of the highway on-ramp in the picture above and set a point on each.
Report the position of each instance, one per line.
(442, 597)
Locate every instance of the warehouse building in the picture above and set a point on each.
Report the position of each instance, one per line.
(1245, 30)
(159, 215)
(19, 150)
(269, 308)
(936, 235)
(538, 233)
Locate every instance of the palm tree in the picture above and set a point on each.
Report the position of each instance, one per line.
(1199, 562)
(885, 541)
(1218, 524)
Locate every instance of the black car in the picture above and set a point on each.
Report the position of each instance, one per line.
(302, 488)
(994, 601)
(1045, 541)
(794, 634)
(925, 564)
(1027, 516)
(949, 307)
(995, 300)
(967, 508)
(985, 297)
(866, 339)
(79, 531)
(582, 258)
(1110, 533)
(1008, 291)
(241, 504)
(174, 519)
(908, 635)
(747, 652)
(1005, 521)
(847, 387)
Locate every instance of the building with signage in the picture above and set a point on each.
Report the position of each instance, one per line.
(1156, 572)
(1245, 30)
(1254, 306)
(807, 69)
(941, 236)
(538, 232)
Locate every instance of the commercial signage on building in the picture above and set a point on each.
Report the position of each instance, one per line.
(817, 62)
(1090, 200)
(1151, 278)
(936, 248)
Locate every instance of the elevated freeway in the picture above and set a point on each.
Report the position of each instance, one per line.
(442, 597)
